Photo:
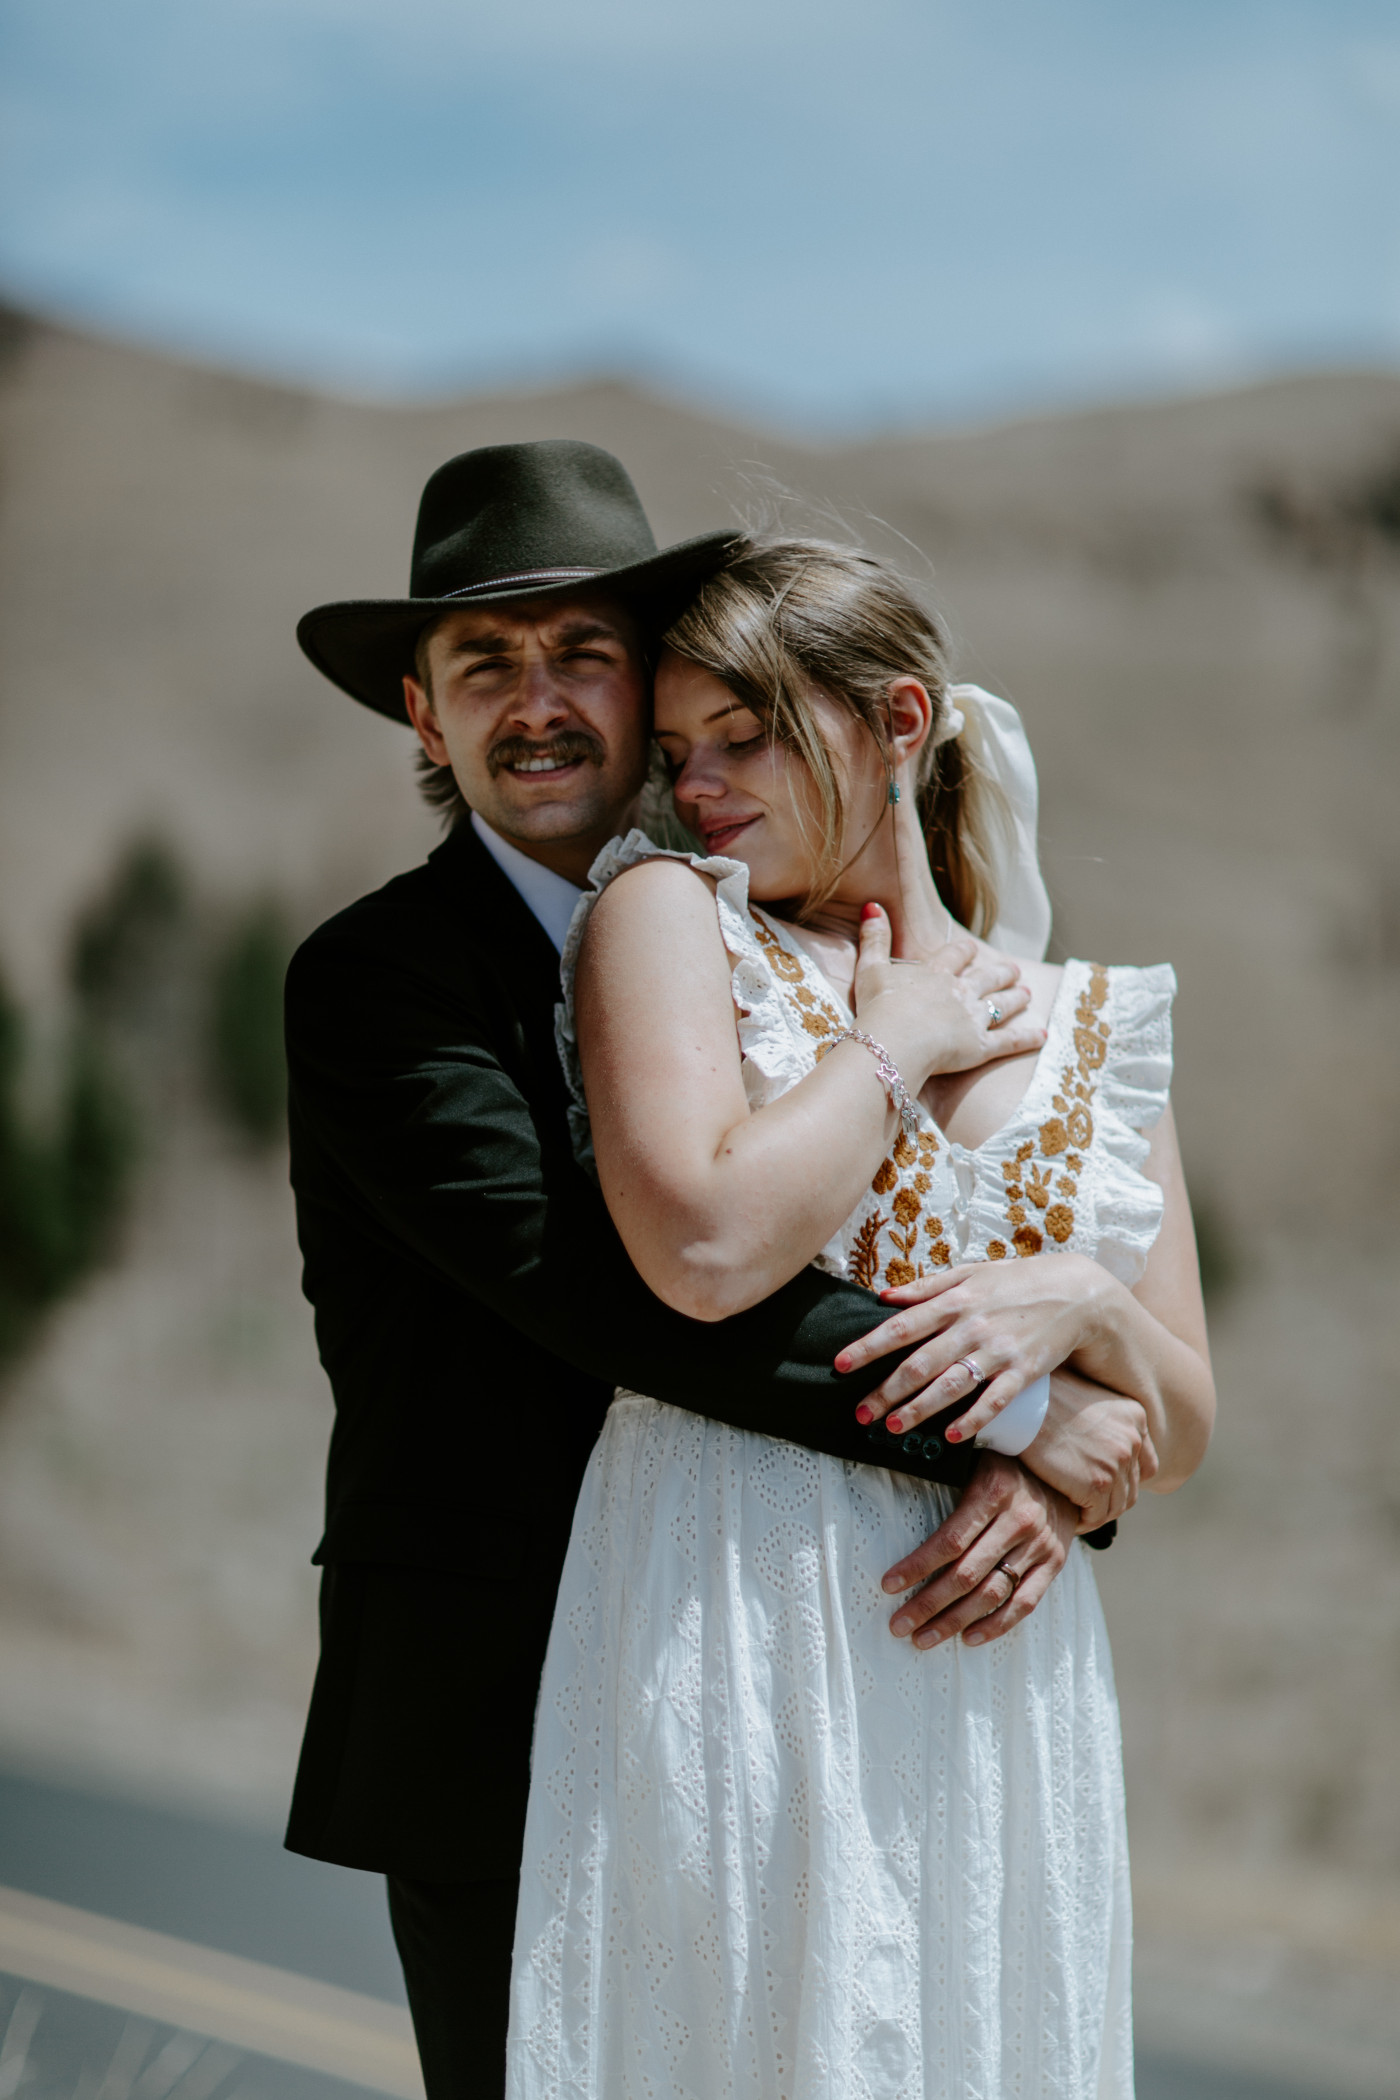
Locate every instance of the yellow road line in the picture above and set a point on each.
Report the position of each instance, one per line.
(343, 2034)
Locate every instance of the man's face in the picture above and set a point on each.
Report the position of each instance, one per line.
(543, 713)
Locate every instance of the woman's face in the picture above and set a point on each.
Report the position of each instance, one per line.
(742, 793)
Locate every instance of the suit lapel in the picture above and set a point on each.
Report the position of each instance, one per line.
(500, 929)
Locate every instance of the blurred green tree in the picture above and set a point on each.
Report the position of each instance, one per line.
(64, 1177)
(247, 1062)
(120, 961)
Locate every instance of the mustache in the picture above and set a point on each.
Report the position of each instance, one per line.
(566, 747)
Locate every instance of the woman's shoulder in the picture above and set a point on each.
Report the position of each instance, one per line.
(642, 887)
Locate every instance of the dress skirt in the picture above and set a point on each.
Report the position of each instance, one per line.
(774, 1854)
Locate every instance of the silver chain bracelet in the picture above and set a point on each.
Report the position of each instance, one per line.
(889, 1072)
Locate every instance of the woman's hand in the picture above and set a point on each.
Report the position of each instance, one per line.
(936, 1015)
(999, 1552)
(1014, 1320)
(1094, 1447)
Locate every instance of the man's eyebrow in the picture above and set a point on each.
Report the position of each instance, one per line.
(585, 629)
(479, 645)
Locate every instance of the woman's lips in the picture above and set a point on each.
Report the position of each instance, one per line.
(718, 836)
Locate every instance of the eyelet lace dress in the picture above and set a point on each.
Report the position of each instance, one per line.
(773, 1853)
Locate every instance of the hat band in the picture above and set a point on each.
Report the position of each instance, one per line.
(498, 583)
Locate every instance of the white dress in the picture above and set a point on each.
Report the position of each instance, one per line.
(772, 1853)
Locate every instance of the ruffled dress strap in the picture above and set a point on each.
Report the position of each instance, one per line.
(731, 880)
(1119, 1069)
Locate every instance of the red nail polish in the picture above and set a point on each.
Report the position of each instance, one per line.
(953, 1436)
(870, 911)
(894, 1425)
(864, 1413)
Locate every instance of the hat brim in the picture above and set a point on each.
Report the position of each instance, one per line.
(365, 645)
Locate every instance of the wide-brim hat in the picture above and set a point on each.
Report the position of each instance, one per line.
(550, 519)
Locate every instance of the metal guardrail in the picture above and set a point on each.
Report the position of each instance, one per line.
(316, 2026)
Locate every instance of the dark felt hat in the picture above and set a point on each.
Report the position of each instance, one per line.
(543, 520)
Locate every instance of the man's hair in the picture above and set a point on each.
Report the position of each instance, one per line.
(436, 784)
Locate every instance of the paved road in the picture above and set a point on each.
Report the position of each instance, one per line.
(224, 1887)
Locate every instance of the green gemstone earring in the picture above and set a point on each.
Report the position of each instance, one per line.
(893, 795)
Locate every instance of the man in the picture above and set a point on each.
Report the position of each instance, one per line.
(474, 1308)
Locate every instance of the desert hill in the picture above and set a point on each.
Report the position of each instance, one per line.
(1196, 604)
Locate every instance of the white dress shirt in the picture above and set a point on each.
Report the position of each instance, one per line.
(550, 897)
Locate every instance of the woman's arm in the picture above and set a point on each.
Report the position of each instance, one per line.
(718, 1206)
(1019, 1319)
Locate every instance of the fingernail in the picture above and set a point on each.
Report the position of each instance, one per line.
(973, 1640)
(894, 1425)
(899, 1627)
(870, 911)
(928, 1640)
(892, 1582)
(953, 1435)
(864, 1413)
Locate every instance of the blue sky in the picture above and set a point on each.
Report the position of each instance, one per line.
(829, 213)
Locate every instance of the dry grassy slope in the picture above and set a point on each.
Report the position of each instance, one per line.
(1218, 790)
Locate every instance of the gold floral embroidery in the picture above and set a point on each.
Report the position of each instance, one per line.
(817, 1015)
(865, 1255)
(1066, 1135)
(907, 1209)
(783, 962)
(905, 1174)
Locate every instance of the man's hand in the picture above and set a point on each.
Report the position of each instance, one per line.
(999, 1552)
(1094, 1447)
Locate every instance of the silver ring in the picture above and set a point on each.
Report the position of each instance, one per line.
(996, 1014)
(1015, 1578)
(973, 1368)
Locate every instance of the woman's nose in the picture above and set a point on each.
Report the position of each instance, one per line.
(700, 779)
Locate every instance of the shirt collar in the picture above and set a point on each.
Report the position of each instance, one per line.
(550, 897)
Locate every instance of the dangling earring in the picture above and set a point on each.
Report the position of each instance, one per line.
(893, 795)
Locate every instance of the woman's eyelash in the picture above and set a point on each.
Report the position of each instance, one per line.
(745, 743)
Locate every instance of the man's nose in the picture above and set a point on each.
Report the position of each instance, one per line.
(539, 701)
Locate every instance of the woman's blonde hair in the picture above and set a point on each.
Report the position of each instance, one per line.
(789, 618)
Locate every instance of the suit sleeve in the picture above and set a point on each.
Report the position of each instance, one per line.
(401, 1081)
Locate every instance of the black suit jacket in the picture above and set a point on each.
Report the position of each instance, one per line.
(474, 1310)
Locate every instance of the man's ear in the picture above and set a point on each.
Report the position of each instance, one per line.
(420, 714)
(911, 718)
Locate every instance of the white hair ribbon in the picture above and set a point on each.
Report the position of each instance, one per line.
(998, 745)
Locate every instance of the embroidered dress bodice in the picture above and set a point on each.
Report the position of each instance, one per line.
(1063, 1172)
(772, 1853)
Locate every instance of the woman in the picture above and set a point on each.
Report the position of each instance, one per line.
(772, 1852)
